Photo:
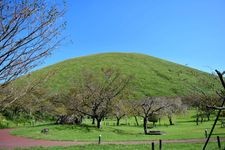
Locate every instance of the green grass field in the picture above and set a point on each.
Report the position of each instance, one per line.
(184, 128)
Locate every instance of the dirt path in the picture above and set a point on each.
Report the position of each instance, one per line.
(8, 141)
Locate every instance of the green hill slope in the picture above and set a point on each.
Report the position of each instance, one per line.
(152, 76)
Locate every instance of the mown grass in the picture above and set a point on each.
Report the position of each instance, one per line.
(183, 146)
(114, 133)
(151, 76)
(184, 128)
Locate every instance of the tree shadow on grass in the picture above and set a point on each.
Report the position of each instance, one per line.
(122, 132)
(43, 125)
(185, 121)
(218, 134)
(84, 128)
(88, 128)
(59, 127)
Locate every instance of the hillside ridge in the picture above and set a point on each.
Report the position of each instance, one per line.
(153, 76)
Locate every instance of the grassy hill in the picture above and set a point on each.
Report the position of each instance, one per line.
(152, 76)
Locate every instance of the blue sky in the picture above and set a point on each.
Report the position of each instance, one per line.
(188, 32)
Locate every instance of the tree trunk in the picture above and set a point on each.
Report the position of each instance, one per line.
(98, 123)
(197, 119)
(202, 118)
(170, 120)
(117, 121)
(81, 119)
(154, 125)
(160, 121)
(208, 116)
(93, 120)
(136, 120)
(145, 125)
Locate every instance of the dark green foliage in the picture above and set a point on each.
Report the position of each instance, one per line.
(153, 118)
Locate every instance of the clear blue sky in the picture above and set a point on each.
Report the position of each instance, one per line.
(188, 32)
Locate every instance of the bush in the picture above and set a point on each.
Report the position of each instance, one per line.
(3, 122)
(153, 118)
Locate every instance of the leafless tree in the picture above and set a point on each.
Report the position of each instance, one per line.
(98, 91)
(200, 101)
(201, 94)
(175, 107)
(221, 93)
(133, 110)
(29, 31)
(120, 110)
(149, 106)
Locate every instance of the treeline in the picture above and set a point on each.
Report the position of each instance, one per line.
(96, 96)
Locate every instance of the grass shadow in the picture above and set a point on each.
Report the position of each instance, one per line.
(185, 121)
(218, 134)
(42, 125)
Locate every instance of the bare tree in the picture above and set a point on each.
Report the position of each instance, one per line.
(175, 107)
(133, 110)
(148, 107)
(202, 94)
(221, 93)
(29, 31)
(200, 101)
(97, 93)
(120, 110)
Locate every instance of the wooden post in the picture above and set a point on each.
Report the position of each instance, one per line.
(218, 141)
(99, 139)
(160, 144)
(206, 133)
(153, 146)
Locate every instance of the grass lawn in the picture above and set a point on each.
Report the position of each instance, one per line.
(184, 128)
(211, 146)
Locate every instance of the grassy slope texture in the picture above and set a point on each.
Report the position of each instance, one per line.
(152, 76)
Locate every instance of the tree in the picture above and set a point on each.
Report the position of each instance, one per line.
(97, 92)
(120, 110)
(221, 93)
(23, 88)
(29, 31)
(148, 107)
(28, 107)
(200, 101)
(133, 110)
(153, 118)
(175, 107)
(66, 104)
(202, 94)
(29, 91)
